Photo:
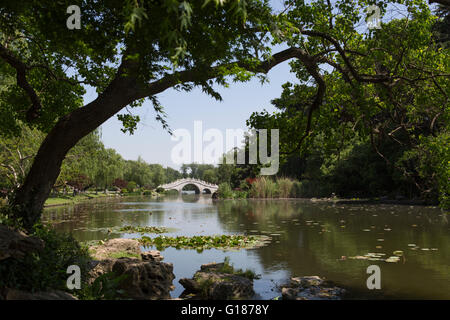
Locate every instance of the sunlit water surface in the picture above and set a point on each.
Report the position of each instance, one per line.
(307, 239)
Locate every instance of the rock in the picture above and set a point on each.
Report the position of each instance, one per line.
(126, 246)
(14, 294)
(306, 281)
(311, 288)
(152, 255)
(16, 244)
(211, 266)
(190, 285)
(144, 280)
(209, 283)
(289, 294)
(99, 268)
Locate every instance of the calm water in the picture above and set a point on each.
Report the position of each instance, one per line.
(308, 239)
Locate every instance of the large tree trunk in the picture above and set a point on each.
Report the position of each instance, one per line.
(29, 199)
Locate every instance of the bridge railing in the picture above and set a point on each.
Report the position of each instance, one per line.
(190, 180)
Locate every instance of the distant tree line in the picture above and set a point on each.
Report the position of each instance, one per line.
(89, 165)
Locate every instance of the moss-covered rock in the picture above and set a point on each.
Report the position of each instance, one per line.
(218, 281)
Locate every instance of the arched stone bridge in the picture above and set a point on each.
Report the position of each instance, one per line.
(202, 186)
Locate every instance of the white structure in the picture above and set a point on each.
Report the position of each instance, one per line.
(200, 184)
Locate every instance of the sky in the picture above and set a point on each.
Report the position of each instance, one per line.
(154, 144)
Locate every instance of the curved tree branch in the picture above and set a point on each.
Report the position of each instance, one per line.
(21, 72)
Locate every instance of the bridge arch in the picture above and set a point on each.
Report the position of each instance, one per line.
(191, 187)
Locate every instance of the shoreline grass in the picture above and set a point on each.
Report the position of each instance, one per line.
(80, 198)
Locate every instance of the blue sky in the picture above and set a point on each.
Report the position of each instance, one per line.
(154, 144)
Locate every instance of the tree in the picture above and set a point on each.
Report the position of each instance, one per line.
(158, 175)
(110, 168)
(80, 182)
(171, 175)
(120, 183)
(130, 51)
(87, 157)
(375, 137)
(210, 176)
(16, 156)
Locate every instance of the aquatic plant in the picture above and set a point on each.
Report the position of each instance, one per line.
(206, 242)
(227, 267)
(146, 229)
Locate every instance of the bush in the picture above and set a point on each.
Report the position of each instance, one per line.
(429, 164)
(284, 186)
(160, 190)
(224, 191)
(46, 269)
(131, 186)
(172, 192)
(296, 190)
(244, 185)
(105, 287)
(240, 194)
(263, 188)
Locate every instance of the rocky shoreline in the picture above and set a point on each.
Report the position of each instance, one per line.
(311, 288)
(211, 283)
(144, 275)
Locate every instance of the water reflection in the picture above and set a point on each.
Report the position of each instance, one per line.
(308, 239)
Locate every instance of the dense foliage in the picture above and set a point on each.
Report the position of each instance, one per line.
(370, 138)
(46, 269)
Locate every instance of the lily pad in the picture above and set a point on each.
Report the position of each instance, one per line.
(225, 242)
(393, 259)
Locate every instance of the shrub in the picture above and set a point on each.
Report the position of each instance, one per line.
(229, 268)
(120, 183)
(296, 190)
(224, 191)
(240, 194)
(284, 186)
(171, 192)
(105, 287)
(429, 164)
(46, 269)
(263, 188)
(131, 186)
(244, 185)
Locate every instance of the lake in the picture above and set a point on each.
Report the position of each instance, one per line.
(324, 239)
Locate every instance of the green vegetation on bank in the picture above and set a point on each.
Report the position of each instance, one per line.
(45, 269)
(79, 198)
(87, 171)
(225, 242)
(269, 188)
(229, 268)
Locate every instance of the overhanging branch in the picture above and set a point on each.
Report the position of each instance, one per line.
(21, 72)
